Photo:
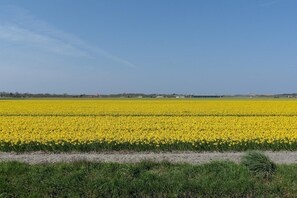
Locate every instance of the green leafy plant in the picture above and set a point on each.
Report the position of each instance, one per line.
(259, 164)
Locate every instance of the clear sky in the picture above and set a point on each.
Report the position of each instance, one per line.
(148, 46)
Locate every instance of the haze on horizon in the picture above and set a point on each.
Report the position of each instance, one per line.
(168, 46)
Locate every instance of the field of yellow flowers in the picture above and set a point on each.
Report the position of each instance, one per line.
(217, 124)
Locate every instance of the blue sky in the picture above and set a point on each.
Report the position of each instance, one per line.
(148, 46)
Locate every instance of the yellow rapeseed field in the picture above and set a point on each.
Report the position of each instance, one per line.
(148, 122)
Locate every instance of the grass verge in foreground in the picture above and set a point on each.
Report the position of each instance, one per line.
(179, 146)
(85, 179)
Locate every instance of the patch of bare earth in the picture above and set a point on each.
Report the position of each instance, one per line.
(281, 157)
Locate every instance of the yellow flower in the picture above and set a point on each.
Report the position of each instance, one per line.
(155, 122)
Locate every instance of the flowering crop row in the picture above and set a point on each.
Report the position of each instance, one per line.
(149, 107)
(35, 130)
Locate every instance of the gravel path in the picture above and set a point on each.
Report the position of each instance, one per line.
(283, 157)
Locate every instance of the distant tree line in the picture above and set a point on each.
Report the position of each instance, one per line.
(31, 95)
(121, 95)
(137, 95)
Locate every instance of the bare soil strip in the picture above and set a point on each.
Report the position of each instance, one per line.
(283, 157)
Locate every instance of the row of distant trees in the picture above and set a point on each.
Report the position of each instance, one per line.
(30, 95)
(48, 95)
(132, 95)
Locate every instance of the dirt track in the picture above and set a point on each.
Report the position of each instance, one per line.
(283, 157)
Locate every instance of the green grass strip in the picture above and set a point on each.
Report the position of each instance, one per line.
(146, 179)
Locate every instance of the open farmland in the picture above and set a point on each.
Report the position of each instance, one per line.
(95, 125)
